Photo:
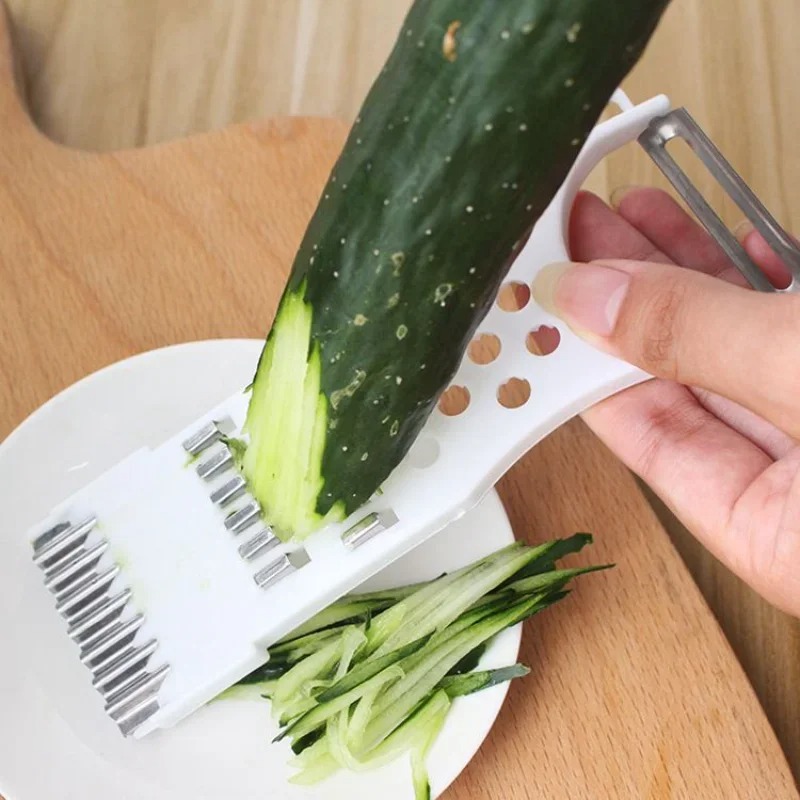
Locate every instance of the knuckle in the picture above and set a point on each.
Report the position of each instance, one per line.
(655, 329)
(672, 421)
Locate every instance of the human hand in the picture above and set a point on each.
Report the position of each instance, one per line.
(715, 434)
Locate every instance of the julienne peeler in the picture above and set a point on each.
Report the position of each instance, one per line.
(172, 586)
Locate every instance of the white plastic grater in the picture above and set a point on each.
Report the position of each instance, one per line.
(173, 588)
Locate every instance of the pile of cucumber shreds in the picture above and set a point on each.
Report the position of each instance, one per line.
(373, 676)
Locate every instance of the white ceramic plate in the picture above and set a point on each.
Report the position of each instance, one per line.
(51, 745)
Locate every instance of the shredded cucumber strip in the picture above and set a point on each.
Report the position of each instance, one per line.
(321, 713)
(471, 682)
(434, 609)
(428, 735)
(315, 764)
(367, 669)
(319, 666)
(398, 701)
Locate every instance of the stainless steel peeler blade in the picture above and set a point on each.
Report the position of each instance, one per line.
(680, 124)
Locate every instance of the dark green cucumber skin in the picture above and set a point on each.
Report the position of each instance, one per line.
(450, 163)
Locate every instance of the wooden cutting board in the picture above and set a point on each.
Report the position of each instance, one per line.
(634, 691)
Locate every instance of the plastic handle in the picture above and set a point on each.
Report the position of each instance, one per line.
(607, 137)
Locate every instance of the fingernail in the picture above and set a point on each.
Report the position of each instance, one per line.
(587, 297)
(743, 230)
(618, 195)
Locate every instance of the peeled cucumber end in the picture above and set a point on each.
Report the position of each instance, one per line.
(287, 421)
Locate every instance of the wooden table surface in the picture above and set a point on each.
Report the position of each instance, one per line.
(104, 76)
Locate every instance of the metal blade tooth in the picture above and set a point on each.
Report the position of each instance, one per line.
(125, 679)
(280, 568)
(124, 668)
(85, 579)
(97, 654)
(131, 657)
(45, 538)
(272, 573)
(73, 551)
(121, 703)
(136, 716)
(88, 611)
(215, 464)
(62, 544)
(74, 601)
(203, 438)
(105, 609)
(242, 519)
(230, 491)
(259, 544)
(71, 571)
(100, 633)
(100, 669)
(79, 609)
(367, 528)
(66, 565)
(111, 654)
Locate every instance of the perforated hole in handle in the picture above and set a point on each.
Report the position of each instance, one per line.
(454, 401)
(543, 341)
(513, 296)
(484, 349)
(514, 393)
(424, 453)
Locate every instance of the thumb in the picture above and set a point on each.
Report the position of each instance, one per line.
(686, 326)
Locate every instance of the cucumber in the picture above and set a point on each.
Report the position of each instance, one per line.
(461, 144)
